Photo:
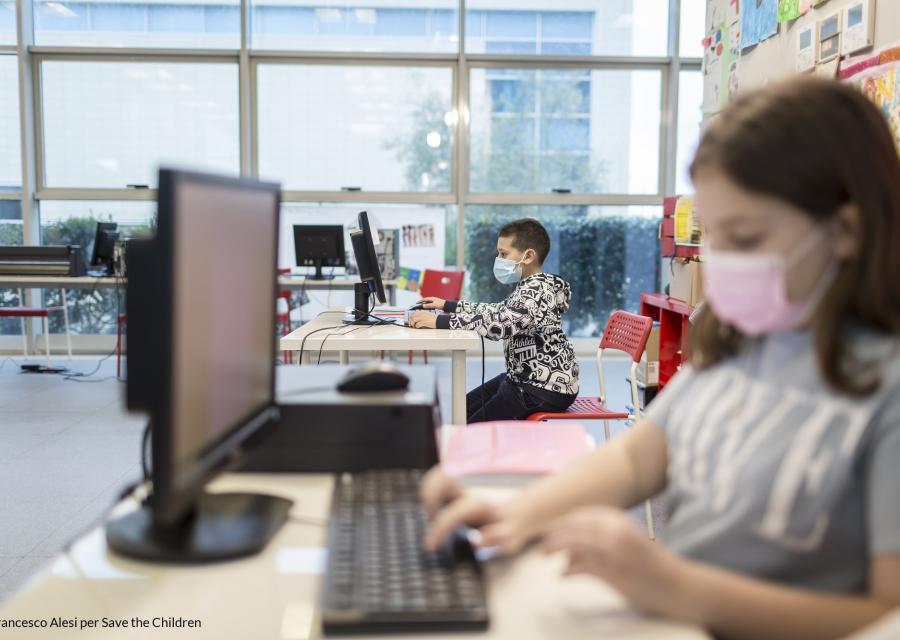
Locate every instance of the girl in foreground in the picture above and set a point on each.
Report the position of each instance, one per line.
(778, 447)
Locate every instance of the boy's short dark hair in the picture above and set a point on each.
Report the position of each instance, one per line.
(527, 233)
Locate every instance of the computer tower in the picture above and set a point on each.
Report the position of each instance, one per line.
(322, 430)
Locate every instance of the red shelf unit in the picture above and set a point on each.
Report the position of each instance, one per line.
(672, 316)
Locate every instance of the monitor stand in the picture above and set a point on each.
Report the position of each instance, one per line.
(223, 526)
(106, 270)
(360, 314)
(319, 275)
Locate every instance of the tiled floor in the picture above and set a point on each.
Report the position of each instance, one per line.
(68, 448)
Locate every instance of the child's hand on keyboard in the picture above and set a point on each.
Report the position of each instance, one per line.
(605, 543)
(450, 507)
(423, 320)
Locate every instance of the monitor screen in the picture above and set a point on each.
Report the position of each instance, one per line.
(319, 243)
(223, 311)
(104, 239)
(366, 260)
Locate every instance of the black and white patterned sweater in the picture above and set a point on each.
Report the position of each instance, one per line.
(530, 321)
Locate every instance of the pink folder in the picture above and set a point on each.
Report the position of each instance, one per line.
(515, 448)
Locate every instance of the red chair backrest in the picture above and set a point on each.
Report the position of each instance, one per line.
(284, 294)
(627, 332)
(442, 284)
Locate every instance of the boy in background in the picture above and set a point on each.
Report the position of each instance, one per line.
(541, 369)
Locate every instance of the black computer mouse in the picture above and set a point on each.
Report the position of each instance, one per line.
(456, 548)
(417, 307)
(378, 376)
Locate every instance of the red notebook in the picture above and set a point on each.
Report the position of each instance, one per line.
(515, 448)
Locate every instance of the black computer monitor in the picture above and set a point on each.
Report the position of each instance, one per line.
(318, 245)
(102, 255)
(369, 274)
(201, 312)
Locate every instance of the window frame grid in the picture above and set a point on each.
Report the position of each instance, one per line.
(461, 65)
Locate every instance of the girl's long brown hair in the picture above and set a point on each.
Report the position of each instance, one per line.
(818, 145)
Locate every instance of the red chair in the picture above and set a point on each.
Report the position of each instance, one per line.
(440, 284)
(626, 332)
(121, 321)
(22, 312)
(284, 319)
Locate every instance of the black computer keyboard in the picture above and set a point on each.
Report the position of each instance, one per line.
(379, 578)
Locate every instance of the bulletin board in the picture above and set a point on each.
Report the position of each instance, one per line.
(759, 45)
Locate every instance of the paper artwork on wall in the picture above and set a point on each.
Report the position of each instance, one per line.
(789, 10)
(721, 53)
(881, 85)
(409, 279)
(759, 21)
(859, 26)
(829, 38)
(806, 48)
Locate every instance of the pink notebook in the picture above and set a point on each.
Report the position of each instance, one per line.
(515, 448)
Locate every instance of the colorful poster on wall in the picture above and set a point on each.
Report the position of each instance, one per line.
(759, 21)
(721, 52)
(882, 86)
(409, 279)
(788, 10)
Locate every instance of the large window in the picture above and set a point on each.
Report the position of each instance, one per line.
(10, 222)
(10, 233)
(112, 124)
(568, 27)
(10, 156)
(690, 116)
(693, 25)
(193, 24)
(426, 26)
(372, 128)
(582, 131)
(566, 110)
(607, 255)
(7, 22)
(91, 311)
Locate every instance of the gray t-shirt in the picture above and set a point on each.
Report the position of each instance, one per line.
(774, 475)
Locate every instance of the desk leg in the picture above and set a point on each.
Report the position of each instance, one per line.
(392, 295)
(458, 386)
(345, 357)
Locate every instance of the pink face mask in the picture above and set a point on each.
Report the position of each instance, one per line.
(749, 291)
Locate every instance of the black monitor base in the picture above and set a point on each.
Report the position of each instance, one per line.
(368, 321)
(321, 276)
(224, 526)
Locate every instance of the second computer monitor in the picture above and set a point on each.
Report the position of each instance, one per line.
(104, 246)
(363, 242)
(319, 246)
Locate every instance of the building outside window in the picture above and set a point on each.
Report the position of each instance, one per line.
(554, 111)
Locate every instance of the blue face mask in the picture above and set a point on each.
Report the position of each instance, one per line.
(507, 271)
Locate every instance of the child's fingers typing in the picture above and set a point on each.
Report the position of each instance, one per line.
(438, 489)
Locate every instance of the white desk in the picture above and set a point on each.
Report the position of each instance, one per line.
(58, 282)
(347, 338)
(275, 595)
(89, 282)
(300, 282)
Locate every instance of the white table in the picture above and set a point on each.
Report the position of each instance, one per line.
(89, 282)
(347, 338)
(301, 282)
(58, 282)
(274, 595)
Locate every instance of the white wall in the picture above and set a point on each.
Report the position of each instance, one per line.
(776, 57)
